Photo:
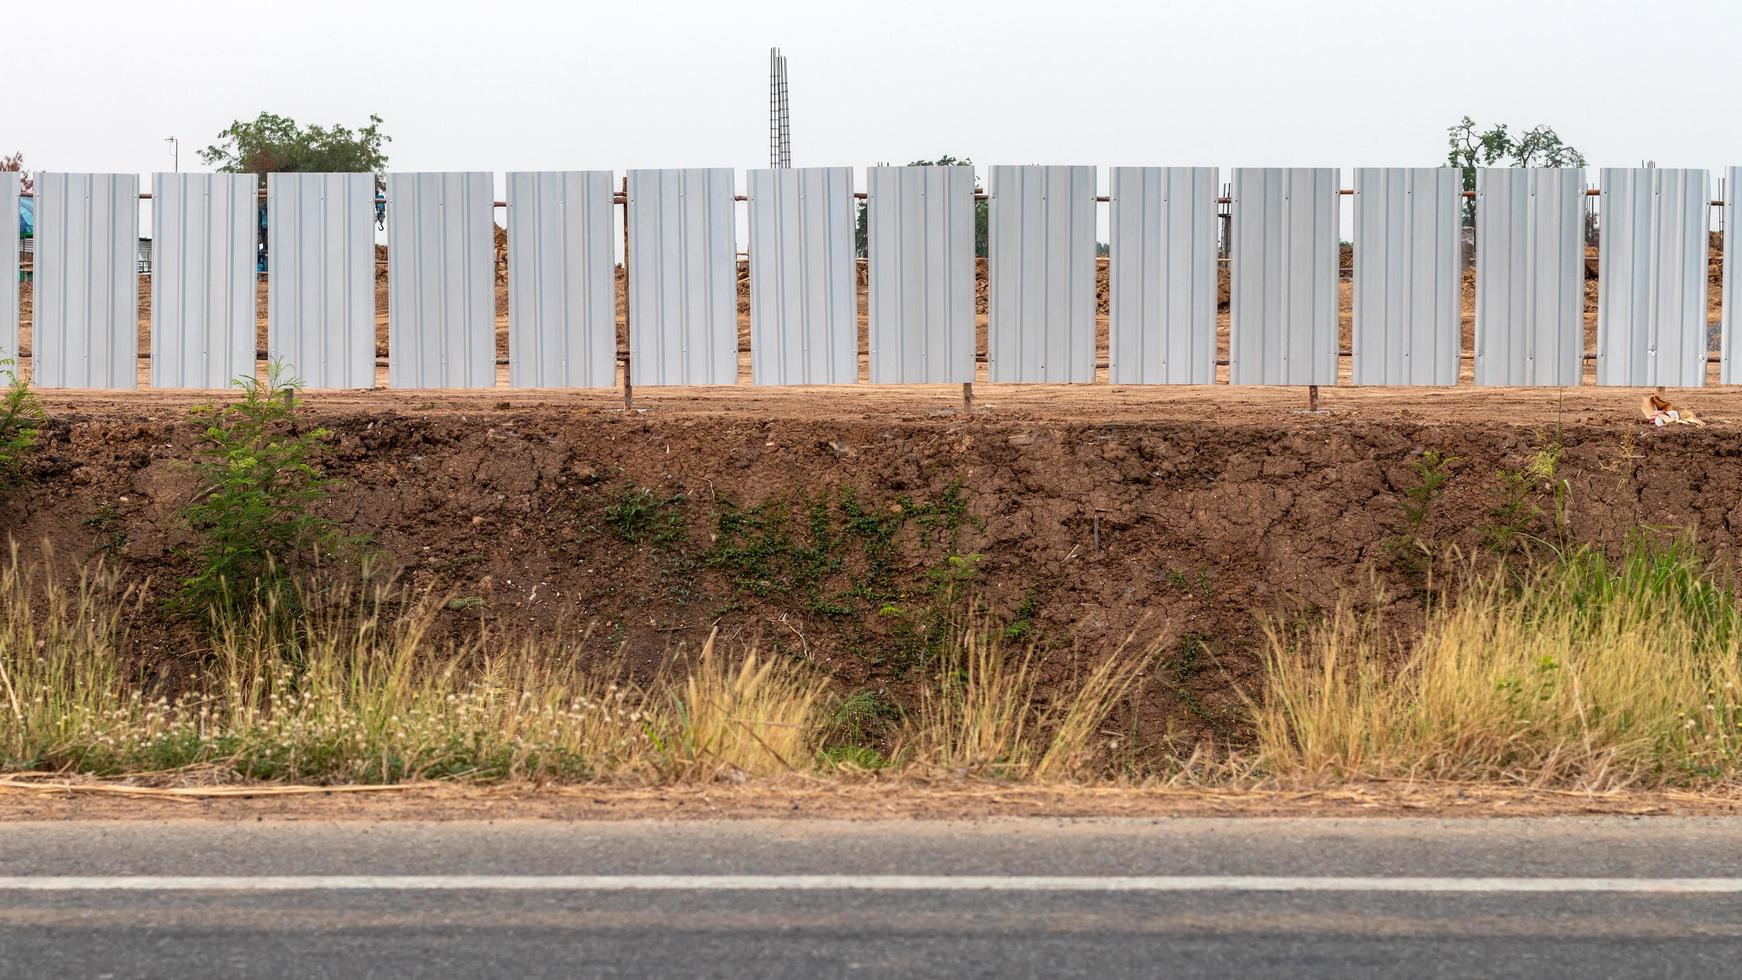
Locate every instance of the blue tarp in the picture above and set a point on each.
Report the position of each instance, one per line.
(27, 217)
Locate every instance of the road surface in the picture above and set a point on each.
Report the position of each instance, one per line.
(1558, 897)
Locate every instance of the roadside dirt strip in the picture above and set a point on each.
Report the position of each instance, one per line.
(38, 798)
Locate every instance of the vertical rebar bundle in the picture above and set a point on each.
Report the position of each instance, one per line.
(779, 123)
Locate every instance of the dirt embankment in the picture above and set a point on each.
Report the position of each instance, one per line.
(840, 541)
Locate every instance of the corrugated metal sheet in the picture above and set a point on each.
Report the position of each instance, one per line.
(1041, 239)
(1530, 296)
(1163, 275)
(1406, 303)
(1651, 277)
(1283, 323)
(562, 299)
(320, 288)
(683, 277)
(86, 316)
(922, 274)
(203, 311)
(804, 310)
(1731, 369)
(441, 294)
(9, 187)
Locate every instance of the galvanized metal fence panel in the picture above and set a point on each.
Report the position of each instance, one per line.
(1283, 322)
(204, 317)
(1041, 281)
(1162, 276)
(683, 277)
(921, 243)
(1407, 327)
(320, 280)
(562, 286)
(10, 184)
(85, 326)
(441, 293)
(1651, 277)
(1730, 368)
(1530, 296)
(804, 308)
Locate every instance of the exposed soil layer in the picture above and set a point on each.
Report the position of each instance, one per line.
(839, 528)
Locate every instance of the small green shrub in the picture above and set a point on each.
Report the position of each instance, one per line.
(21, 418)
(1410, 548)
(1518, 516)
(253, 515)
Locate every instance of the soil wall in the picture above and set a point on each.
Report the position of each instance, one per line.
(846, 542)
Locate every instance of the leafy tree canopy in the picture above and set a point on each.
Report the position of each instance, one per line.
(1469, 146)
(275, 144)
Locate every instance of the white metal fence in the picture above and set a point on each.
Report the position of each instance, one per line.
(681, 308)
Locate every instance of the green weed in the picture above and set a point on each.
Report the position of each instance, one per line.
(111, 537)
(21, 420)
(1409, 547)
(640, 516)
(253, 516)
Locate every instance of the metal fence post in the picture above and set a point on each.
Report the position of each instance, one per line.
(628, 356)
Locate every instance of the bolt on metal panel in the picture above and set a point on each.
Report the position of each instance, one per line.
(1162, 276)
(320, 284)
(1283, 322)
(1407, 326)
(441, 293)
(804, 308)
(86, 284)
(1041, 326)
(1530, 296)
(1730, 369)
(562, 286)
(683, 277)
(204, 316)
(1651, 277)
(10, 183)
(921, 244)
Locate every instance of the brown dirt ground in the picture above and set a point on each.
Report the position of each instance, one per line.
(852, 800)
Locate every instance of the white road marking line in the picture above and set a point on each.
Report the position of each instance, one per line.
(890, 883)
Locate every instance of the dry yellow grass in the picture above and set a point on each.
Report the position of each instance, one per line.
(1585, 673)
(350, 688)
(985, 712)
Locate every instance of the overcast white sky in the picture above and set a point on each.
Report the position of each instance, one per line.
(511, 85)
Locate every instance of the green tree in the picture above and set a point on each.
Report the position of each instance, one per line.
(1469, 146)
(273, 144)
(862, 231)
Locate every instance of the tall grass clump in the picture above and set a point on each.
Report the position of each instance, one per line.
(987, 712)
(1582, 671)
(360, 687)
(63, 694)
(754, 718)
(356, 688)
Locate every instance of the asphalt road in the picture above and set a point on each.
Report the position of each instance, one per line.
(1657, 897)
